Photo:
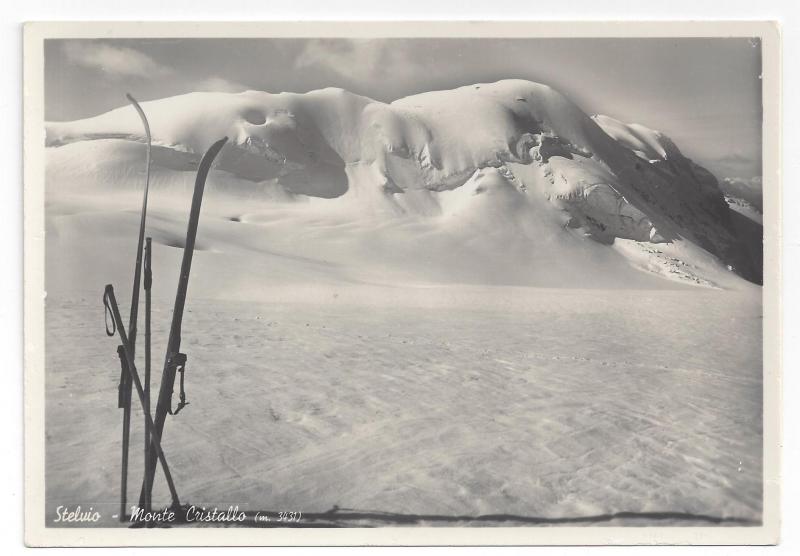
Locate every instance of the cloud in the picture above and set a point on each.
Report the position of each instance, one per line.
(220, 85)
(752, 182)
(362, 60)
(736, 158)
(116, 61)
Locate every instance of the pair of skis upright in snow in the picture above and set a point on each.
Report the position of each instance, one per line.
(175, 361)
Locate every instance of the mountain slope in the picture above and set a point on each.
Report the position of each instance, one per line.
(432, 187)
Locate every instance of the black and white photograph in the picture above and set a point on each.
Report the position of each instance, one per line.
(450, 281)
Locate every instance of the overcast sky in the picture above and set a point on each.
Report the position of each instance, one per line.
(704, 93)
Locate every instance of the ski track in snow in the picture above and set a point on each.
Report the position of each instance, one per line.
(558, 411)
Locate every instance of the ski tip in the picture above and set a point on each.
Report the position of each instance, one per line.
(130, 98)
(209, 156)
(216, 147)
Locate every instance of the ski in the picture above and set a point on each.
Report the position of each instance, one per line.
(125, 386)
(174, 360)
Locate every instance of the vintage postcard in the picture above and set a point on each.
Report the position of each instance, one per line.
(402, 283)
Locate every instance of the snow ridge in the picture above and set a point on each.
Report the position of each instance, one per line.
(597, 177)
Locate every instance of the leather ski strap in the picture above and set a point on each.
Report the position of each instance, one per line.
(178, 364)
(110, 330)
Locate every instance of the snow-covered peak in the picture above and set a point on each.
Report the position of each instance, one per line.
(603, 178)
(647, 143)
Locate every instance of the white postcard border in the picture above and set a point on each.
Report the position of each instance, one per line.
(36, 534)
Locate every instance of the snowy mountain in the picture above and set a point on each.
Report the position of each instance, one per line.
(748, 190)
(508, 182)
